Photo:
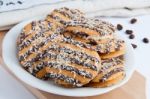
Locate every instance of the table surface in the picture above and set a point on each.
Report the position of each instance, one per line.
(141, 29)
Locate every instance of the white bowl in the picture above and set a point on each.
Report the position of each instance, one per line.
(10, 58)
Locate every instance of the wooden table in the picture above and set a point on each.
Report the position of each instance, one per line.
(2, 34)
(134, 89)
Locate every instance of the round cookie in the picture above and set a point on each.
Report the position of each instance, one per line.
(64, 15)
(111, 46)
(35, 39)
(36, 29)
(107, 83)
(111, 72)
(32, 29)
(108, 49)
(113, 54)
(69, 65)
(91, 29)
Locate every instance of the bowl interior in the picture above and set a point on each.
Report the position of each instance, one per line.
(10, 58)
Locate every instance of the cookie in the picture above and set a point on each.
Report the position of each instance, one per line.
(110, 48)
(35, 29)
(34, 40)
(113, 54)
(69, 65)
(111, 72)
(107, 83)
(91, 29)
(64, 15)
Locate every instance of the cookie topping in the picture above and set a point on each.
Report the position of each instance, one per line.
(65, 78)
(103, 28)
(57, 65)
(106, 76)
(111, 45)
(108, 63)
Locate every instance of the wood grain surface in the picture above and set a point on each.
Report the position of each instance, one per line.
(2, 34)
(134, 89)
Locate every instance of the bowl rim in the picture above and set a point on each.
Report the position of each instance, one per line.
(29, 82)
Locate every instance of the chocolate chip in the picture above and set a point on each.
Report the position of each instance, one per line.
(1, 3)
(129, 31)
(127, 8)
(131, 36)
(19, 2)
(10, 3)
(145, 40)
(133, 20)
(134, 46)
(119, 27)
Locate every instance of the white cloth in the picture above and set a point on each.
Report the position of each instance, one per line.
(13, 13)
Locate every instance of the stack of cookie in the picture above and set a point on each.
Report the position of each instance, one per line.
(72, 50)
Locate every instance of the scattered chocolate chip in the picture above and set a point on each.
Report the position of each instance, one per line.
(134, 46)
(129, 31)
(133, 20)
(19, 2)
(119, 27)
(127, 8)
(1, 3)
(10, 3)
(145, 40)
(131, 36)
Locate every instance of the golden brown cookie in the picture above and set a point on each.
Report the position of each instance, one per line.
(110, 48)
(91, 29)
(73, 66)
(113, 54)
(64, 15)
(107, 83)
(34, 41)
(36, 29)
(111, 72)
